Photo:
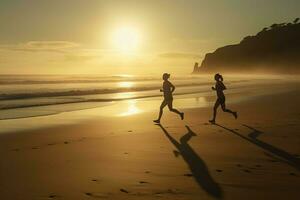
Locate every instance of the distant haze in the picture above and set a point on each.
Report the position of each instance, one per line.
(127, 36)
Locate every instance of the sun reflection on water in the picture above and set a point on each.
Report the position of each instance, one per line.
(124, 95)
(131, 108)
(125, 84)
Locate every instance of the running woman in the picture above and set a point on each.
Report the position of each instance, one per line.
(221, 98)
(168, 89)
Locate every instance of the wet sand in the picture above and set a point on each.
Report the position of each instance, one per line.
(129, 157)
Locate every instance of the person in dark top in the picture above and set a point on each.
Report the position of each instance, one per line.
(168, 89)
(221, 98)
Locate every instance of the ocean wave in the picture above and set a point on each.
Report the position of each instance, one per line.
(17, 80)
(87, 100)
(29, 95)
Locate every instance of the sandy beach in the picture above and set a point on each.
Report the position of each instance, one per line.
(129, 157)
(83, 85)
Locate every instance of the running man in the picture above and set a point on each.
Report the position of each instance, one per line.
(221, 97)
(168, 89)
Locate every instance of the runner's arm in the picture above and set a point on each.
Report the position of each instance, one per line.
(223, 86)
(172, 87)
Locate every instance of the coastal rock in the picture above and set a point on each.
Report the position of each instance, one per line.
(274, 49)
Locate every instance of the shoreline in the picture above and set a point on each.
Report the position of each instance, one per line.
(55, 115)
(129, 157)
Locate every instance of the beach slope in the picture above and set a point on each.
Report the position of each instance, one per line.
(129, 157)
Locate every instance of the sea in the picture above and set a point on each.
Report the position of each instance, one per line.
(23, 96)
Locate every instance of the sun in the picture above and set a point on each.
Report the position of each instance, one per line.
(126, 38)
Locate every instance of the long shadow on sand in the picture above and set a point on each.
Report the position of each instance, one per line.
(196, 164)
(253, 138)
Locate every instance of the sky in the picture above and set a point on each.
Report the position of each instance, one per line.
(126, 36)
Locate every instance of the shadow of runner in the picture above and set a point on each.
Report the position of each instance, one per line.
(290, 159)
(196, 164)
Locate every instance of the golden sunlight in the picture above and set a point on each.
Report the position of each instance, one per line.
(131, 108)
(126, 38)
(126, 84)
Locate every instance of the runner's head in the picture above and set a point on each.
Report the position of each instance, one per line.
(166, 76)
(218, 77)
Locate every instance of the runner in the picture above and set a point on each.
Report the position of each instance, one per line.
(221, 98)
(168, 89)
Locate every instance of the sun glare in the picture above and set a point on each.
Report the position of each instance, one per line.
(126, 38)
(131, 108)
(125, 84)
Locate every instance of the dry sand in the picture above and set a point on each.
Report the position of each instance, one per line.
(254, 157)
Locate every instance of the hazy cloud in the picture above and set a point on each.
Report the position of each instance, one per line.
(80, 58)
(40, 46)
(50, 44)
(179, 55)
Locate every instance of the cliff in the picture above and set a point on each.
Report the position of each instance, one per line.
(274, 49)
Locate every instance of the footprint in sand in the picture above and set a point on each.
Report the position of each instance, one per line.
(52, 196)
(147, 172)
(171, 191)
(292, 174)
(143, 182)
(96, 195)
(247, 170)
(66, 142)
(188, 175)
(95, 180)
(130, 131)
(88, 194)
(219, 170)
(168, 191)
(16, 149)
(124, 191)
